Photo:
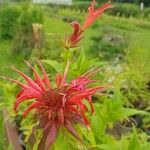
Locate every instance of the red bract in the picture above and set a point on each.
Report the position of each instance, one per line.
(59, 106)
(76, 36)
(93, 14)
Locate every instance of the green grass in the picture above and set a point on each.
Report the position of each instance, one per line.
(7, 59)
(5, 55)
(139, 50)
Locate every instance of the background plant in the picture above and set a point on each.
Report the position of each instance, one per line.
(23, 41)
(8, 21)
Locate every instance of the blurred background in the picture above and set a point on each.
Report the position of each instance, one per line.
(119, 42)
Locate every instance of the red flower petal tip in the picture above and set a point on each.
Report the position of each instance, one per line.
(93, 14)
(56, 106)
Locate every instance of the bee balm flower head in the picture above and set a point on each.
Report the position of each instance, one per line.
(59, 106)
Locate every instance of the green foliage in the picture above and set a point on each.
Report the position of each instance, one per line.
(129, 10)
(125, 10)
(23, 42)
(80, 65)
(147, 13)
(80, 5)
(52, 48)
(146, 2)
(7, 95)
(2, 141)
(8, 21)
(109, 44)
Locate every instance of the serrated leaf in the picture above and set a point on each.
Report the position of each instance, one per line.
(131, 111)
(81, 59)
(56, 65)
(134, 142)
(61, 142)
(98, 125)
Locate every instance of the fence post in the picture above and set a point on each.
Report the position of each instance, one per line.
(142, 6)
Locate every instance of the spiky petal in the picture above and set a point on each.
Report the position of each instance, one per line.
(78, 30)
(55, 107)
(93, 13)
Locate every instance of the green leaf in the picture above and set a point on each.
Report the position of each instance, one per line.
(81, 59)
(134, 142)
(88, 135)
(98, 125)
(56, 65)
(2, 105)
(126, 112)
(61, 142)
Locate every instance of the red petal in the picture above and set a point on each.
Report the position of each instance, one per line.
(29, 80)
(24, 96)
(51, 136)
(38, 78)
(61, 116)
(24, 86)
(20, 93)
(76, 27)
(46, 79)
(94, 14)
(78, 84)
(81, 95)
(91, 105)
(72, 130)
(58, 80)
(76, 36)
(86, 122)
(71, 108)
(30, 107)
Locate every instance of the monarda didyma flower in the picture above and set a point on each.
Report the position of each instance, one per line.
(93, 14)
(59, 106)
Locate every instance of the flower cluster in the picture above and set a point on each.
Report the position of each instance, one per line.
(93, 14)
(59, 106)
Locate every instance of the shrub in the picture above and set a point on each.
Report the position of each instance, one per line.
(126, 10)
(147, 13)
(52, 46)
(82, 6)
(23, 41)
(8, 21)
(36, 15)
(109, 44)
(68, 19)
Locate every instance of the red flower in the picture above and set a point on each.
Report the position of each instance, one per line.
(76, 36)
(59, 106)
(93, 14)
